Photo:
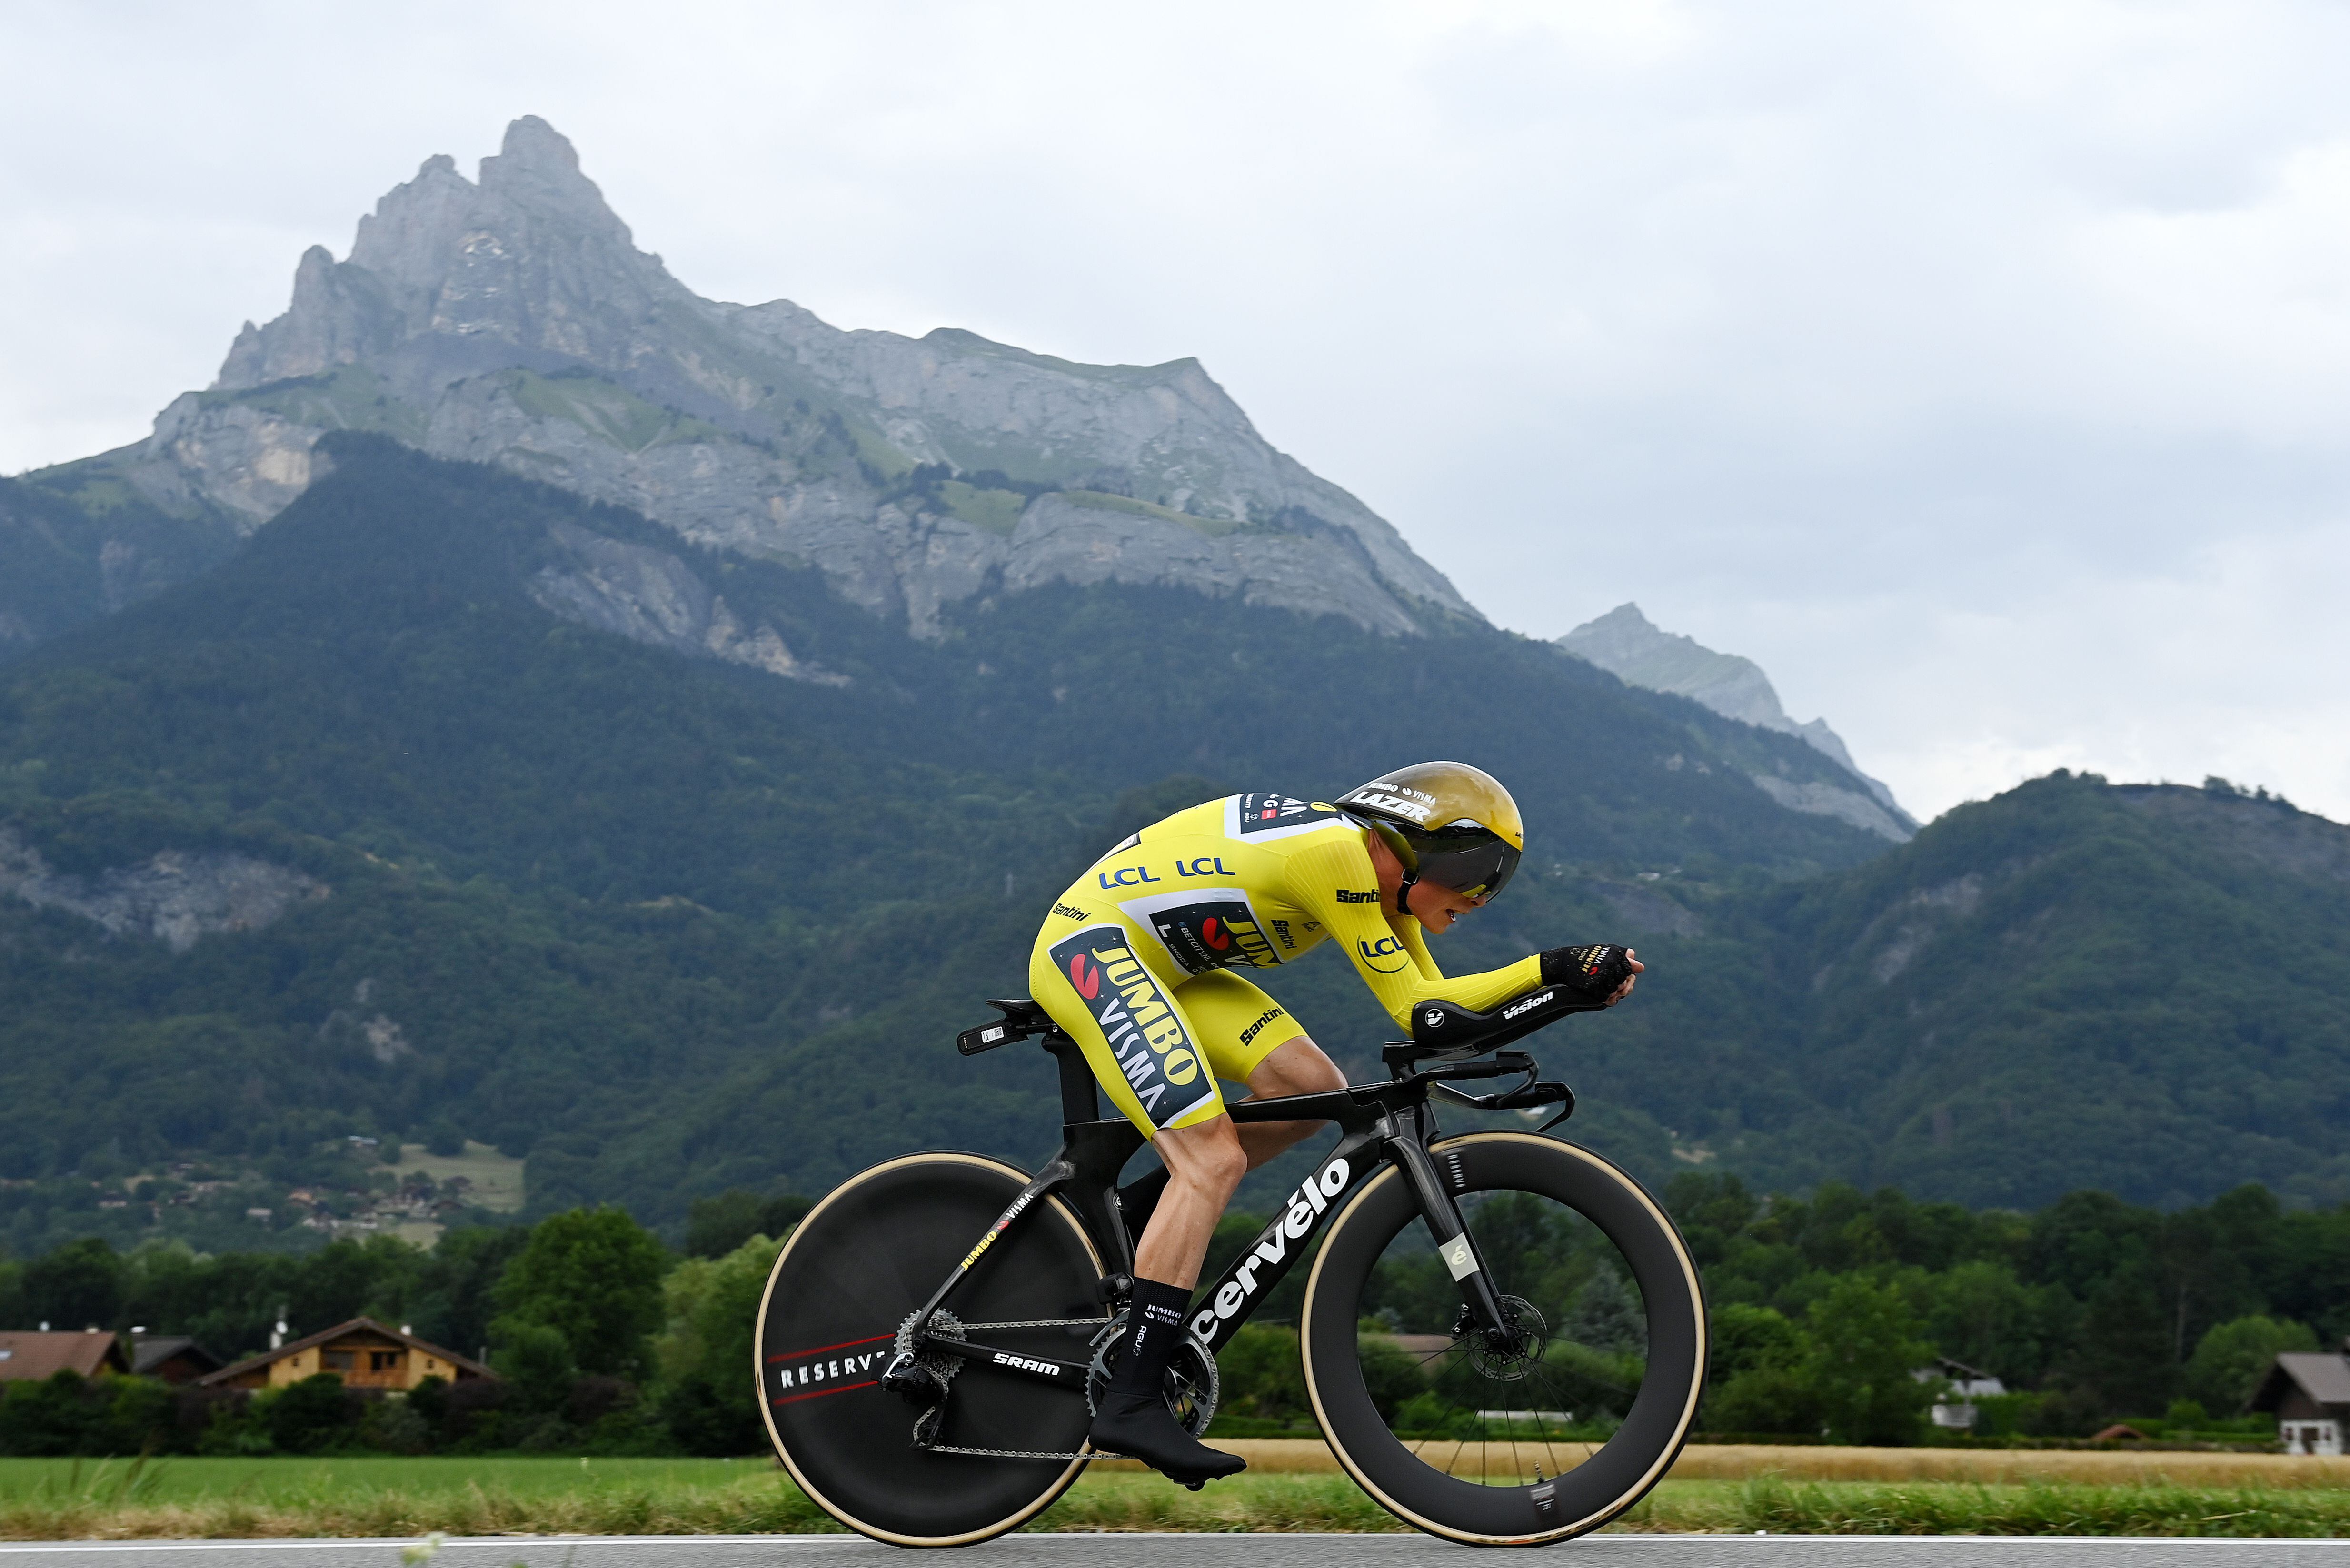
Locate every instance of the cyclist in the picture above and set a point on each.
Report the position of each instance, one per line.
(1136, 963)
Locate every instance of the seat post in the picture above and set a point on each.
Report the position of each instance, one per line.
(1079, 1100)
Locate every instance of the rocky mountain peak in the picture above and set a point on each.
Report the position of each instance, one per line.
(512, 320)
(530, 257)
(1630, 647)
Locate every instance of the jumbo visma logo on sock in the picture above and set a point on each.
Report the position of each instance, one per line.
(1162, 1062)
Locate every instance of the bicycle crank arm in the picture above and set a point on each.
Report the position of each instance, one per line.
(1044, 1369)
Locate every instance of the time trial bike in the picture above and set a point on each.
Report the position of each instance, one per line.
(1503, 1336)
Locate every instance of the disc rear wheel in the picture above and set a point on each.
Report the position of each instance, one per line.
(863, 1261)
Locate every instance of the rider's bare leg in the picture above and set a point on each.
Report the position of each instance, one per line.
(1296, 1066)
(1204, 1164)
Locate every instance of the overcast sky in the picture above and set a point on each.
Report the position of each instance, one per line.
(1979, 370)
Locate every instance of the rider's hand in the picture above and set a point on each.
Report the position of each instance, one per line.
(1600, 969)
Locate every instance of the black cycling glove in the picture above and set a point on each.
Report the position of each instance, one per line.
(1595, 971)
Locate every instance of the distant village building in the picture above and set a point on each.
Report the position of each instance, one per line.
(363, 1353)
(35, 1357)
(1968, 1383)
(172, 1357)
(2308, 1391)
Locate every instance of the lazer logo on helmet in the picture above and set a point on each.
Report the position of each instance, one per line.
(1161, 1062)
(1374, 798)
(1274, 1244)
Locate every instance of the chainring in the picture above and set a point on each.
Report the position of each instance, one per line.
(1193, 1383)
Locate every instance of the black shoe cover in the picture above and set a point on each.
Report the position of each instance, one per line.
(1141, 1427)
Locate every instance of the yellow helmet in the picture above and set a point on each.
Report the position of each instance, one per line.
(1449, 823)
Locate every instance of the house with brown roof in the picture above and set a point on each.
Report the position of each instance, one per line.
(2308, 1391)
(34, 1357)
(363, 1353)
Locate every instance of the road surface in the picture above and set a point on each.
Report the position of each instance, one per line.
(1072, 1550)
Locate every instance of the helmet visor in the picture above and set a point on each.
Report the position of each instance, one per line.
(1477, 870)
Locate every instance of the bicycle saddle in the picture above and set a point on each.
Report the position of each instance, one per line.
(1022, 1020)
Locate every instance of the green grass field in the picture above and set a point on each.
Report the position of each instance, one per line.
(52, 1500)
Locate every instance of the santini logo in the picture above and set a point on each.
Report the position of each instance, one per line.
(1005, 1358)
(1273, 1246)
(1349, 896)
(1528, 1005)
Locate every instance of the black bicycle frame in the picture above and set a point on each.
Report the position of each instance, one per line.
(1379, 1124)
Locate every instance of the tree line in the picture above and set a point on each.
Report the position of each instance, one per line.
(2091, 1311)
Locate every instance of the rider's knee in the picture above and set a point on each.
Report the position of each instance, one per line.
(1297, 1066)
(1210, 1155)
(1226, 1162)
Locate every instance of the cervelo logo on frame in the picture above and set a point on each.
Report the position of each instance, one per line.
(1305, 1207)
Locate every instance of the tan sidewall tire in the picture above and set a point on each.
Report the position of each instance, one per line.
(1592, 1520)
(1051, 1494)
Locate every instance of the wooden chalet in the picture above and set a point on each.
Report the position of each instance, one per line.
(363, 1353)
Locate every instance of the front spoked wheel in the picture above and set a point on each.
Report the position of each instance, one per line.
(1549, 1429)
(852, 1276)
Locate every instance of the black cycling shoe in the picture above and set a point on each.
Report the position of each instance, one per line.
(1141, 1427)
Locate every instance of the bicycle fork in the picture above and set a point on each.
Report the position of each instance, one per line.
(1398, 1138)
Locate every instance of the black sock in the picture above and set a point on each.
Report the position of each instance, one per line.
(1152, 1327)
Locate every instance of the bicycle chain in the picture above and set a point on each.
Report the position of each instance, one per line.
(1008, 1453)
(1044, 1323)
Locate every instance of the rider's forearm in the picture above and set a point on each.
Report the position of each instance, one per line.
(1476, 993)
(1322, 880)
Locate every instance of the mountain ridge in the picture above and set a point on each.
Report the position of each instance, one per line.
(758, 429)
(1628, 645)
(669, 924)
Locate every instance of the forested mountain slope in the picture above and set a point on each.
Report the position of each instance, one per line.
(654, 790)
(2139, 988)
(670, 924)
(355, 833)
